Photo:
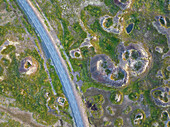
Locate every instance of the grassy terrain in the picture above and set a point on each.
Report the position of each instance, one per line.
(142, 13)
(34, 100)
(29, 91)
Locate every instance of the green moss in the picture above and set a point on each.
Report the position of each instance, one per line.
(149, 122)
(55, 79)
(2, 31)
(108, 71)
(87, 52)
(154, 110)
(158, 94)
(8, 8)
(127, 90)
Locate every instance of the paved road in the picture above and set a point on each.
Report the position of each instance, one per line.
(47, 42)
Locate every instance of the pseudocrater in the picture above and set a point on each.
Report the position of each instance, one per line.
(104, 70)
(136, 58)
(112, 24)
(28, 66)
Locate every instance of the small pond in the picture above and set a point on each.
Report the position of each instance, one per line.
(162, 20)
(129, 28)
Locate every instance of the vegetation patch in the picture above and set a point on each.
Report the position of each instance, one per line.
(138, 65)
(5, 61)
(79, 35)
(134, 96)
(110, 111)
(127, 55)
(164, 116)
(107, 123)
(1, 70)
(108, 22)
(94, 103)
(127, 110)
(118, 122)
(93, 10)
(135, 54)
(158, 94)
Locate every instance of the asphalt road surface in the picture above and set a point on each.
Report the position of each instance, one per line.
(33, 19)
